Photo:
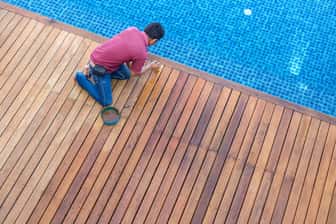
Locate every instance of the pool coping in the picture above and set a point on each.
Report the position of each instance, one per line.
(176, 65)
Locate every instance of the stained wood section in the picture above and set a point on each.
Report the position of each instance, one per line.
(189, 148)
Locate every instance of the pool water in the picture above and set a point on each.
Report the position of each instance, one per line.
(286, 48)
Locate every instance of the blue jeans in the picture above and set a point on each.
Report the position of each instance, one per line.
(101, 89)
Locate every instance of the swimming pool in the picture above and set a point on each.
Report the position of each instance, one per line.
(285, 48)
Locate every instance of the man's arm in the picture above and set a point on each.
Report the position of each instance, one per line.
(154, 65)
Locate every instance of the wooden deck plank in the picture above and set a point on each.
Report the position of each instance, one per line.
(50, 171)
(221, 157)
(162, 129)
(42, 95)
(299, 171)
(197, 188)
(17, 125)
(184, 206)
(49, 149)
(85, 190)
(214, 125)
(293, 135)
(236, 192)
(33, 145)
(60, 189)
(188, 210)
(322, 176)
(127, 168)
(8, 71)
(308, 184)
(189, 147)
(88, 184)
(24, 83)
(40, 124)
(180, 92)
(74, 183)
(224, 125)
(64, 166)
(246, 131)
(8, 23)
(2, 15)
(230, 123)
(269, 170)
(332, 209)
(260, 165)
(253, 106)
(14, 191)
(42, 150)
(116, 163)
(120, 104)
(198, 173)
(32, 28)
(17, 74)
(305, 135)
(146, 102)
(163, 186)
(165, 149)
(66, 162)
(117, 91)
(10, 44)
(24, 124)
(188, 157)
(324, 210)
(61, 184)
(231, 172)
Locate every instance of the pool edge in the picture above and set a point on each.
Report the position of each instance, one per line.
(210, 77)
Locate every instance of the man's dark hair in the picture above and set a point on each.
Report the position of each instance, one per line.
(154, 31)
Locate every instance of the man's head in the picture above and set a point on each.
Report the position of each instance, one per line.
(154, 32)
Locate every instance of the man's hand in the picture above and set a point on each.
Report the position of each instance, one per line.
(156, 66)
(86, 70)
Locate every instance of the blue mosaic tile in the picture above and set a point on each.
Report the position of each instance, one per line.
(284, 48)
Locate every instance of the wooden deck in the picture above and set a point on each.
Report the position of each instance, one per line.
(190, 147)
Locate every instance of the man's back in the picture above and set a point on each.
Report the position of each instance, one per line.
(129, 45)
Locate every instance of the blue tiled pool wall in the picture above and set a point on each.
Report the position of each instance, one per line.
(284, 48)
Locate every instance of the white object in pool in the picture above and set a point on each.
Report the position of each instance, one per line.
(247, 12)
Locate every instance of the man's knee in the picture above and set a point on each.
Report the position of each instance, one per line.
(79, 77)
(127, 75)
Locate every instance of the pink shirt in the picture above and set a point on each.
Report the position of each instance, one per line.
(128, 46)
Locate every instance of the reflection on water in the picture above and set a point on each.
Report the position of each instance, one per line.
(298, 54)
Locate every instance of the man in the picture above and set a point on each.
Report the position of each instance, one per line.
(120, 58)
